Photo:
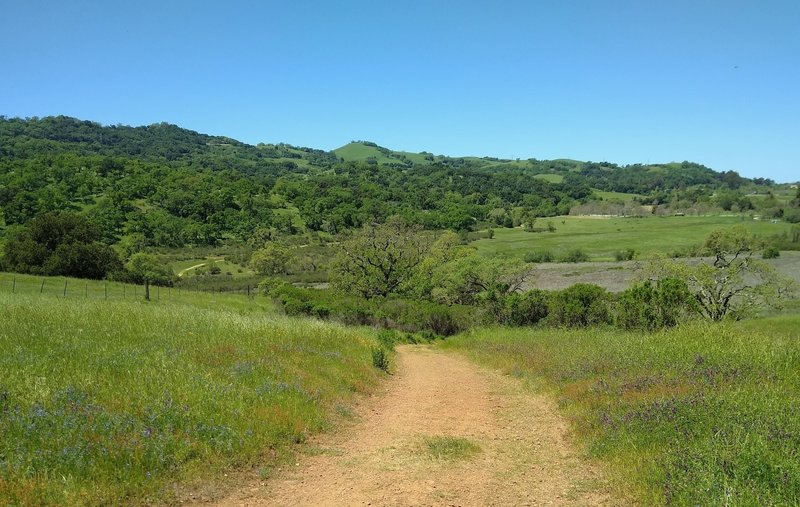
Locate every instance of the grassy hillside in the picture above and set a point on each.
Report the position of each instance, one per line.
(551, 178)
(600, 238)
(700, 415)
(110, 402)
(360, 152)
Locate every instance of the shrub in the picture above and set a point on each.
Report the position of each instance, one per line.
(525, 309)
(441, 322)
(581, 305)
(380, 359)
(648, 306)
(792, 216)
(538, 257)
(294, 306)
(387, 338)
(625, 255)
(320, 311)
(771, 252)
(575, 255)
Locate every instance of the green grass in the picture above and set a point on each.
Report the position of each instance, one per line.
(699, 415)
(100, 290)
(602, 237)
(361, 152)
(615, 196)
(189, 267)
(447, 448)
(550, 178)
(112, 402)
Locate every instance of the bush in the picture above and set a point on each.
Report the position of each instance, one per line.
(380, 359)
(538, 257)
(525, 309)
(576, 255)
(402, 314)
(581, 305)
(387, 338)
(792, 216)
(771, 252)
(441, 322)
(648, 306)
(625, 255)
(294, 306)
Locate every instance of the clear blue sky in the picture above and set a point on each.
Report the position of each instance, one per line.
(712, 81)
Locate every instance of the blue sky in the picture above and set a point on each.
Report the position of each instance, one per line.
(716, 82)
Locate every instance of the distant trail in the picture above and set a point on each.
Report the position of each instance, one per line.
(525, 458)
(183, 271)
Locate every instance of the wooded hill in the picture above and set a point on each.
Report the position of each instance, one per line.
(162, 185)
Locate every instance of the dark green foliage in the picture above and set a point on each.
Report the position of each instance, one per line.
(160, 185)
(539, 257)
(60, 244)
(575, 255)
(146, 269)
(652, 306)
(792, 216)
(581, 305)
(440, 320)
(389, 313)
(524, 309)
(625, 255)
(380, 359)
(388, 338)
(771, 252)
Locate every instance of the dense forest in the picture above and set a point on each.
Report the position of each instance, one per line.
(161, 185)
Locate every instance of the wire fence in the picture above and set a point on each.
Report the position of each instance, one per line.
(107, 290)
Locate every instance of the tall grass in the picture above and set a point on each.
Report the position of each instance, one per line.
(100, 290)
(699, 415)
(110, 401)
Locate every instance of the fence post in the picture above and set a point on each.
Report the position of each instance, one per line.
(86, 290)
(124, 290)
(41, 289)
(14, 285)
(248, 291)
(65, 288)
(105, 290)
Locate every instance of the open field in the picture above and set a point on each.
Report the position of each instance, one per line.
(550, 178)
(600, 238)
(112, 402)
(699, 415)
(101, 290)
(615, 196)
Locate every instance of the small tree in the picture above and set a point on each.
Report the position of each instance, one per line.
(733, 281)
(651, 306)
(580, 305)
(146, 269)
(379, 259)
(270, 260)
(471, 278)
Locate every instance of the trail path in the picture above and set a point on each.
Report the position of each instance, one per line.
(524, 458)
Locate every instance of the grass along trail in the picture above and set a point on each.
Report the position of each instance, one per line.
(445, 432)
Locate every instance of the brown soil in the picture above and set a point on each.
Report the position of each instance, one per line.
(525, 457)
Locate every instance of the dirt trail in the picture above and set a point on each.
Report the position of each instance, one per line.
(524, 457)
